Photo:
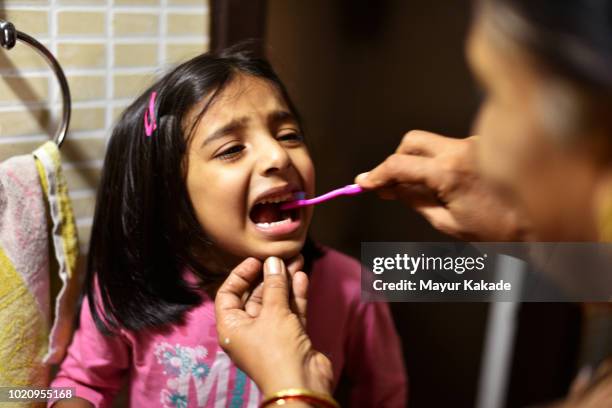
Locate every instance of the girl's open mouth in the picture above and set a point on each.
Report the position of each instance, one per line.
(271, 220)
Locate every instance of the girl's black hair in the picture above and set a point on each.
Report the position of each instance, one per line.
(573, 38)
(145, 231)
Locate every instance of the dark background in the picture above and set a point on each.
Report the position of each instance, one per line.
(362, 73)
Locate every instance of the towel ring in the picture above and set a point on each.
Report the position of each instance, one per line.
(8, 37)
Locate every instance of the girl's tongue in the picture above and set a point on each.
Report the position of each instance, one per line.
(268, 213)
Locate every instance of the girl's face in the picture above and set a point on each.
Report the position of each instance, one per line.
(551, 181)
(246, 156)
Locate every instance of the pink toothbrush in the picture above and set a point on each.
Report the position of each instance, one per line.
(351, 189)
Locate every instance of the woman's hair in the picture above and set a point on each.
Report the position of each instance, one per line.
(573, 38)
(571, 42)
(145, 230)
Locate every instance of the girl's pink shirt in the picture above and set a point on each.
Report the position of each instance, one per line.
(184, 366)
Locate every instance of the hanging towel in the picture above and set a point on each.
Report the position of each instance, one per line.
(65, 247)
(33, 191)
(24, 278)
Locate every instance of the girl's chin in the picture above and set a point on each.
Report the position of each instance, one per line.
(284, 249)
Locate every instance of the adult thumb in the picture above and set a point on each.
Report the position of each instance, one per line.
(276, 285)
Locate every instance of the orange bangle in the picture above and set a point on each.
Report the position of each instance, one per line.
(300, 394)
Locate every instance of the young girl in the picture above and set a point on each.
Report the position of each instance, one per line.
(194, 175)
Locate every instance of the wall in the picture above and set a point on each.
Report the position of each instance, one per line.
(362, 73)
(110, 51)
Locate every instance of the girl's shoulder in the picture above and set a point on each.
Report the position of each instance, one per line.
(337, 266)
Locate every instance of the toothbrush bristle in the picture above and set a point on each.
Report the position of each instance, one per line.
(300, 195)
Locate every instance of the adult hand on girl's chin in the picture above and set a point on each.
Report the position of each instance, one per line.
(264, 333)
(254, 298)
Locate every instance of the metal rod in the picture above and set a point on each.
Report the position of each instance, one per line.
(8, 37)
(502, 326)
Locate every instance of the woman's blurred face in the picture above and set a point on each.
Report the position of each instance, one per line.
(552, 183)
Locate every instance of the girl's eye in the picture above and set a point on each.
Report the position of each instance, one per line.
(291, 137)
(230, 153)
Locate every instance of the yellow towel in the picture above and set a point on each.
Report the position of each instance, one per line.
(24, 275)
(32, 191)
(65, 244)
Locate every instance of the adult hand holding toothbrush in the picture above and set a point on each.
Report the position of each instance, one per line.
(439, 178)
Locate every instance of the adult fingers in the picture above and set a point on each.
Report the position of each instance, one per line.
(300, 295)
(255, 300)
(582, 381)
(401, 169)
(604, 369)
(276, 286)
(387, 193)
(414, 195)
(230, 294)
(420, 142)
(295, 264)
(440, 218)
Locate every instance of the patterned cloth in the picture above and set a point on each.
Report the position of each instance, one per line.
(182, 366)
(65, 246)
(34, 211)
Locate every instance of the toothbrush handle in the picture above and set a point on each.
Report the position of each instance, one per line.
(350, 189)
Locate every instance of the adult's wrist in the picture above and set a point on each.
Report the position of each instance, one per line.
(280, 382)
(299, 395)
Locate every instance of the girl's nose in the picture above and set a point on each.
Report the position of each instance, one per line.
(272, 158)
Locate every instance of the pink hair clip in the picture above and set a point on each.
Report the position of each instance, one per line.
(149, 116)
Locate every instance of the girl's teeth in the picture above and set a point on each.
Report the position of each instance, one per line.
(273, 224)
(276, 200)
